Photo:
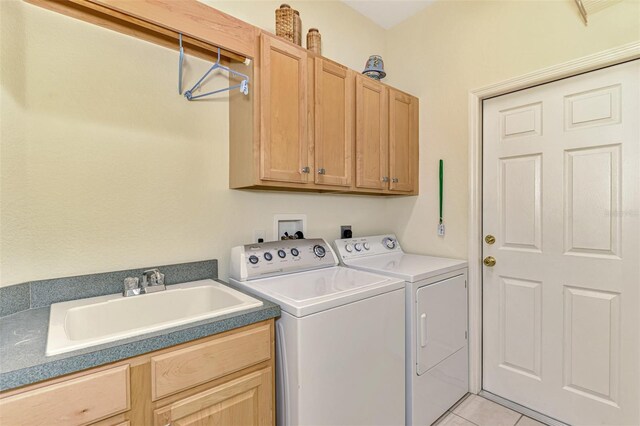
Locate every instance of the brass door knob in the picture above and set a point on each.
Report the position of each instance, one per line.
(489, 261)
(489, 239)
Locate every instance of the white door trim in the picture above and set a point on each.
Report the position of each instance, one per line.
(603, 59)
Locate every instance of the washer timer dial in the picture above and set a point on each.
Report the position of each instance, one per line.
(319, 250)
(389, 243)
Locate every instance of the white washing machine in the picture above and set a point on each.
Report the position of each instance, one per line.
(437, 372)
(340, 353)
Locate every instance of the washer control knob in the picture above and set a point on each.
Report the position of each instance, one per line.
(282, 253)
(389, 243)
(319, 250)
(366, 246)
(253, 259)
(358, 247)
(348, 248)
(294, 252)
(268, 257)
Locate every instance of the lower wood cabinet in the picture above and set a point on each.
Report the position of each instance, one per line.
(226, 380)
(246, 400)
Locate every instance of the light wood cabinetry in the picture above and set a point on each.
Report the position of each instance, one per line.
(403, 142)
(226, 379)
(284, 149)
(300, 135)
(372, 134)
(319, 126)
(244, 401)
(386, 138)
(231, 353)
(82, 400)
(333, 123)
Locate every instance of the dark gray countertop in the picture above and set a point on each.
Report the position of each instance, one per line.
(23, 338)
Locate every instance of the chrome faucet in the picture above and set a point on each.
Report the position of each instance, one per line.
(152, 281)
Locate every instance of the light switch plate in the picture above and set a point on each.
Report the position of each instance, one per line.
(441, 229)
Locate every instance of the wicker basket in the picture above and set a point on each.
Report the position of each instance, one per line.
(314, 42)
(297, 28)
(285, 22)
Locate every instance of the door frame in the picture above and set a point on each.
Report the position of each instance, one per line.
(617, 55)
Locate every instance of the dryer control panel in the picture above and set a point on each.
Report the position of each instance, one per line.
(352, 248)
(273, 258)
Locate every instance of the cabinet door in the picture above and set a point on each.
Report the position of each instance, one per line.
(284, 153)
(334, 104)
(403, 141)
(241, 402)
(371, 134)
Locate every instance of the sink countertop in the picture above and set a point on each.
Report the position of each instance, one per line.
(23, 339)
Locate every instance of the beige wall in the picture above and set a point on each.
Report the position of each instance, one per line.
(104, 167)
(453, 47)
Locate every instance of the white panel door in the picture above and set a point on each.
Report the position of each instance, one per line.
(561, 185)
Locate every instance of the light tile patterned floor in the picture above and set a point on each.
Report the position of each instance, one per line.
(474, 410)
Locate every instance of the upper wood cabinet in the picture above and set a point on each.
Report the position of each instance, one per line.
(284, 151)
(403, 142)
(386, 138)
(310, 124)
(334, 111)
(372, 138)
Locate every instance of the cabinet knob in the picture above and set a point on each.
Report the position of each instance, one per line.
(394, 180)
(385, 178)
(321, 171)
(305, 170)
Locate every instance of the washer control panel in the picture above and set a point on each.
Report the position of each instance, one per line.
(272, 258)
(350, 248)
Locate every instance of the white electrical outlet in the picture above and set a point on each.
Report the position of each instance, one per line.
(441, 229)
(258, 234)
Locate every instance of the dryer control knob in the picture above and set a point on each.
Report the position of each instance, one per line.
(348, 248)
(268, 257)
(358, 247)
(319, 250)
(366, 246)
(389, 243)
(282, 254)
(253, 259)
(294, 252)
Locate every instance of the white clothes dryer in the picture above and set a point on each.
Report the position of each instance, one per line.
(340, 353)
(437, 373)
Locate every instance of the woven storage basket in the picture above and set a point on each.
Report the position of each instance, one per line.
(285, 22)
(314, 42)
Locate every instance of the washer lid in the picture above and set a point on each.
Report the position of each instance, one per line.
(409, 267)
(309, 292)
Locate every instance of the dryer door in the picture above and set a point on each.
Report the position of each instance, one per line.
(441, 321)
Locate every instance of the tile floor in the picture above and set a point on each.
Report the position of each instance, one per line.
(474, 410)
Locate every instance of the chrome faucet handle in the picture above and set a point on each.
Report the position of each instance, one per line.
(131, 286)
(150, 277)
(152, 281)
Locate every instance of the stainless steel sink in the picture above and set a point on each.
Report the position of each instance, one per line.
(82, 323)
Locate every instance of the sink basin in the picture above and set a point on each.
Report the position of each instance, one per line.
(82, 323)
